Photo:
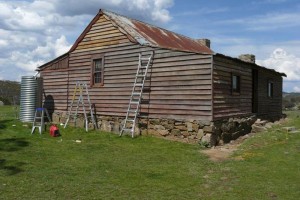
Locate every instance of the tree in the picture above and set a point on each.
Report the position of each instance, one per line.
(5, 101)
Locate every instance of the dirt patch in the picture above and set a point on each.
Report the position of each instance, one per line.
(222, 153)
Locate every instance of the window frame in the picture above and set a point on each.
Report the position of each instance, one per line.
(270, 91)
(92, 76)
(236, 91)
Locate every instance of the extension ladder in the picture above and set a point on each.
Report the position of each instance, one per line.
(136, 95)
(39, 119)
(80, 87)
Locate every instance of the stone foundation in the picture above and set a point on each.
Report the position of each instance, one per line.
(231, 129)
(192, 131)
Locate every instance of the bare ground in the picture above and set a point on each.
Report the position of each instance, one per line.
(222, 153)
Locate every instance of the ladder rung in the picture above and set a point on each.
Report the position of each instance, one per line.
(138, 84)
(136, 94)
(145, 58)
(127, 129)
(139, 75)
(134, 102)
(130, 120)
(132, 111)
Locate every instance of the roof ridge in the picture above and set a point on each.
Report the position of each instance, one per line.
(147, 34)
(155, 26)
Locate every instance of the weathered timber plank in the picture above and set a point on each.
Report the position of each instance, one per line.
(185, 75)
(164, 92)
(102, 44)
(102, 49)
(156, 82)
(93, 41)
(124, 106)
(154, 102)
(100, 37)
(102, 33)
(224, 69)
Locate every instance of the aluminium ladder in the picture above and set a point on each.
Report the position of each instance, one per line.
(136, 95)
(39, 119)
(80, 87)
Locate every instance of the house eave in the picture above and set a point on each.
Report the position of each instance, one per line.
(254, 65)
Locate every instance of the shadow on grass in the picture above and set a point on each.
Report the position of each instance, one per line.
(11, 168)
(11, 145)
(3, 123)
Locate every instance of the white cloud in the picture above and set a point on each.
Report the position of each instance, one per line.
(274, 21)
(149, 10)
(3, 43)
(30, 60)
(61, 46)
(202, 11)
(267, 22)
(296, 89)
(281, 61)
(36, 31)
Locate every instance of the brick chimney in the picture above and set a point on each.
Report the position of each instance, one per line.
(247, 58)
(205, 42)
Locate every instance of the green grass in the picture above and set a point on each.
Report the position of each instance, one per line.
(105, 166)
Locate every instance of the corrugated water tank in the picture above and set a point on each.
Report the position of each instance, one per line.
(30, 98)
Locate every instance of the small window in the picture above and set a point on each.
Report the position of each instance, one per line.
(97, 74)
(270, 89)
(235, 84)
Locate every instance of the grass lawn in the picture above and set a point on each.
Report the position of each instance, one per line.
(105, 166)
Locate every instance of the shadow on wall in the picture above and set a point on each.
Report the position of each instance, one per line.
(49, 105)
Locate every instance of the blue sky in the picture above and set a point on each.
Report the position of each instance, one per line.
(33, 32)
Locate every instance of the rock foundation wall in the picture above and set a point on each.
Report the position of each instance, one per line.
(192, 131)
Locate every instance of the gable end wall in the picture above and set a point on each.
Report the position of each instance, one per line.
(178, 84)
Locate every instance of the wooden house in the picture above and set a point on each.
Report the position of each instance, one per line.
(188, 85)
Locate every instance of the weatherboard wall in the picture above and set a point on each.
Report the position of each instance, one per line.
(227, 103)
(178, 86)
(55, 83)
(269, 107)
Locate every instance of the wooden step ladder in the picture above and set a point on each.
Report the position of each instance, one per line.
(136, 95)
(39, 119)
(82, 89)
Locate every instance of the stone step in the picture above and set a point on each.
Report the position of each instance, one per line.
(289, 128)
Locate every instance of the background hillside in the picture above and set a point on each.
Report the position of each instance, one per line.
(290, 100)
(9, 92)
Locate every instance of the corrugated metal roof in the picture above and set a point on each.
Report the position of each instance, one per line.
(146, 34)
(149, 35)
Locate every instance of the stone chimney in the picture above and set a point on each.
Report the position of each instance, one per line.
(205, 42)
(247, 58)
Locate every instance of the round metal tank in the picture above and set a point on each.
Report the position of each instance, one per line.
(29, 98)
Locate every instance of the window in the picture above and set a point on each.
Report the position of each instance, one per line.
(270, 89)
(97, 70)
(235, 83)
